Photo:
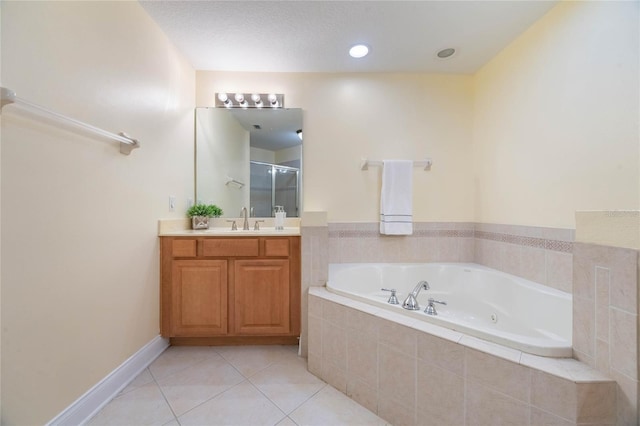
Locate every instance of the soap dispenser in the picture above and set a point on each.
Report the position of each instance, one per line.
(280, 215)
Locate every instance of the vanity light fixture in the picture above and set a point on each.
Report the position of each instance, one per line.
(299, 132)
(257, 100)
(359, 51)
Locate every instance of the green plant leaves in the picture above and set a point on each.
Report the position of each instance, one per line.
(209, 210)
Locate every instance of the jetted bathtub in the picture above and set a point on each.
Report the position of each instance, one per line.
(481, 302)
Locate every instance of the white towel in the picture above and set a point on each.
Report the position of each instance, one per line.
(396, 199)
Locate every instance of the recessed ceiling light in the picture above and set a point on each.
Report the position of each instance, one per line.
(358, 51)
(446, 53)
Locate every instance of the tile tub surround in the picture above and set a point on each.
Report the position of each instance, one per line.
(409, 372)
(430, 242)
(605, 312)
(540, 254)
(315, 271)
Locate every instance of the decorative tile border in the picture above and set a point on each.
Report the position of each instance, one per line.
(542, 243)
(433, 233)
(452, 230)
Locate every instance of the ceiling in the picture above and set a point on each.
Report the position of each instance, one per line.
(315, 36)
(277, 127)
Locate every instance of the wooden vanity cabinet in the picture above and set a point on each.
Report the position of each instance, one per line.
(230, 290)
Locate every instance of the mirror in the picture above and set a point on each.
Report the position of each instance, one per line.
(249, 158)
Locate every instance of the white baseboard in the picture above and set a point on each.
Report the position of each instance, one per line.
(98, 396)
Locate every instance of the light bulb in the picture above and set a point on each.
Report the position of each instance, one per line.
(273, 100)
(241, 101)
(256, 99)
(224, 99)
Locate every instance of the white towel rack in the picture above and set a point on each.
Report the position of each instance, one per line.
(364, 163)
(127, 143)
(229, 180)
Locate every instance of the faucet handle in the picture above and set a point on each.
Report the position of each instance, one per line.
(431, 308)
(393, 300)
(234, 225)
(256, 226)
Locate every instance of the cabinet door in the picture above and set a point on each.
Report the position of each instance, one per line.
(199, 298)
(261, 297)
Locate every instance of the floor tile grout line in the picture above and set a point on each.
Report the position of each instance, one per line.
(214, 397)
(297, 406)
(247, 381)
(122, 392)
(189, 365)
(255, 372)
(272, 402)
(209, 399)
(310, 397)
(175, 417)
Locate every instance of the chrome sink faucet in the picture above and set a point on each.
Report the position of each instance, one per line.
(411, 302)
(245, 224)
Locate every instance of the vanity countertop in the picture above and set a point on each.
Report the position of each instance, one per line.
(226, 232)
(222, 228)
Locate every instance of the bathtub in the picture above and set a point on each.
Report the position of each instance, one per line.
(481, 302)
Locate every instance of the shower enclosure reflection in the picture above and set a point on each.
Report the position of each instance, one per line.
(249, 158)
(271, 186)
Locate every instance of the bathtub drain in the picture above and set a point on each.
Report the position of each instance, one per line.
(494, 318)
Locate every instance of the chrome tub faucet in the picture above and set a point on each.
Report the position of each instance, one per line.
(411, 302)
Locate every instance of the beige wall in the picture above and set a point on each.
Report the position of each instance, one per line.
(263, 155)
(378, 116)
(0, 228)
(288, 154)
(556, 118)
(79, 243)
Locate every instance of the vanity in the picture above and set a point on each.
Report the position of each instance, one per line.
(222, 287)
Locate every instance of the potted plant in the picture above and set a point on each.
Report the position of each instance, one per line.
(200, 214)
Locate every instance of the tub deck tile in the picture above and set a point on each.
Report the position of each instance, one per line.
(567, 368)
(444, 333)
(490, 348)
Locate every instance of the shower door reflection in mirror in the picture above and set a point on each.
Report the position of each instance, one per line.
(274, 185)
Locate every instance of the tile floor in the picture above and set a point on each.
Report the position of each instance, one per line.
(231, 385)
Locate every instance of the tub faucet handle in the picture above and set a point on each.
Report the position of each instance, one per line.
(393, 300)
(431, 308)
